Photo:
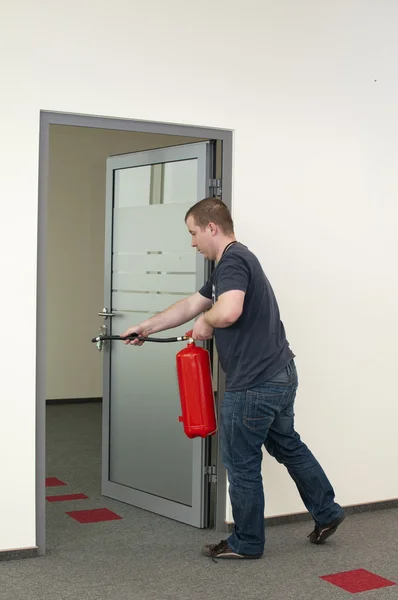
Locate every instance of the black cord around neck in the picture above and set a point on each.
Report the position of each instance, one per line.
(228, 246)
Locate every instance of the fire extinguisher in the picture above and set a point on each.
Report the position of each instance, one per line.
(194, 383)
(196, 391)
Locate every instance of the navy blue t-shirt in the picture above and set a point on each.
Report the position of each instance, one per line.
(254, 348)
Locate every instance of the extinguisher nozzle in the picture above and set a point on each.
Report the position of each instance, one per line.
(185, 338)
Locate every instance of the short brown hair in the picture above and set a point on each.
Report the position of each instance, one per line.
(211, 210)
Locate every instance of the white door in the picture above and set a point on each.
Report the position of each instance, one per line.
(148, 462)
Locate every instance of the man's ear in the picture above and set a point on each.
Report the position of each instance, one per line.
(213, 228)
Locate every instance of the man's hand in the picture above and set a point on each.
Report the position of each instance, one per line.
(135, 329)
(202, 330)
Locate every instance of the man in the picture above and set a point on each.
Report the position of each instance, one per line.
(240, 308)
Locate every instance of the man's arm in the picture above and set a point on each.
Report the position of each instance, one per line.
(224, 313)
(226, 310)
(177, 314)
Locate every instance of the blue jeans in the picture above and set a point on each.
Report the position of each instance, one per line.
(264, 415)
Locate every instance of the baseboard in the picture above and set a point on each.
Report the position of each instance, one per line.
(350, 510)
(73, 400)
(18, 554)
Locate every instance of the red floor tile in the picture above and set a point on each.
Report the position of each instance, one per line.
(93, 516)
(357, 581)
(54, 482)
(66, 497)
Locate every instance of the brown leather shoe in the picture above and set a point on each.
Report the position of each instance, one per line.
(222, 550)
(321, 533)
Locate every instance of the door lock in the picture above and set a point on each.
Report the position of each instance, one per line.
(103, 331)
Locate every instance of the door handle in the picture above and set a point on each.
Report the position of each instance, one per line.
(106, 314)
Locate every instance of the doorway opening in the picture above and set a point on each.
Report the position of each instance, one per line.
(80, 157)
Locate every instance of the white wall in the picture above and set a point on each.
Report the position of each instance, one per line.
(315, 187)
(76, 244)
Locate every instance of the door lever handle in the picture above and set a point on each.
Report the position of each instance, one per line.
(105, 313)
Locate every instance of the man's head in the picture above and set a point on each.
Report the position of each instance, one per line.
(211, 227)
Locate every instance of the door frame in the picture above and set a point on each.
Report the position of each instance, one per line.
(48, 118)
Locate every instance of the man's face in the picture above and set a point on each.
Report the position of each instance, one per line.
(202, 239)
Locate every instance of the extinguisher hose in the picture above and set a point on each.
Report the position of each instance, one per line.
(135, 336)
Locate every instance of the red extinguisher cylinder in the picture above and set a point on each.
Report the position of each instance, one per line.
(196, 392)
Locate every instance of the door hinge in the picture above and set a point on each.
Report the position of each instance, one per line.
(215, 186)
(211, 472)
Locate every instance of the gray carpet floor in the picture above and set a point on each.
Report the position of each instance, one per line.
(147, 557)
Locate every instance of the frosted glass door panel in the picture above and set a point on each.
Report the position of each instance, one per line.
(154, 261)
(153, 266)
(149, 264)
(157, 228)
(149, 451)
(143, 303)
